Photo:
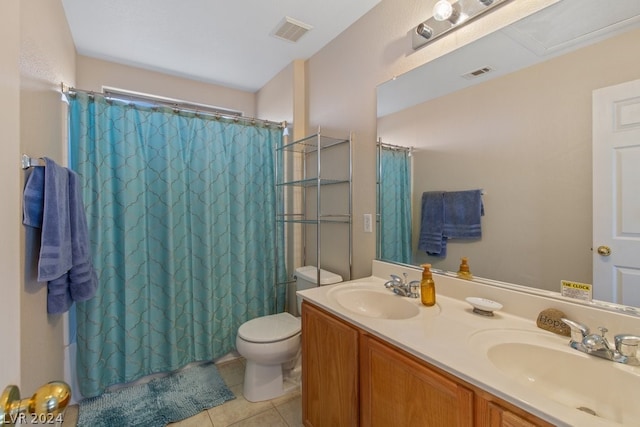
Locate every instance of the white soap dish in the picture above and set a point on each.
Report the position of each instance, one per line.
(483, 306)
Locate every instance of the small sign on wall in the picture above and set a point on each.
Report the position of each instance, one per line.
(577, 290)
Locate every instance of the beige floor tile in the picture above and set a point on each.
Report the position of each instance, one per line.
(291, 411)
(70, 416)
(286, 397)
(236, 410)
(232, 372)
(200, 420)
(270, 418)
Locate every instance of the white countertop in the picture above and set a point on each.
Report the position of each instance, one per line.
(443, 339)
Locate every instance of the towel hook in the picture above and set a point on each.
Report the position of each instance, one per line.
(26, 161)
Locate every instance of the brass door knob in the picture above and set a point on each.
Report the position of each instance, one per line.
(604, 250)
(50, 399)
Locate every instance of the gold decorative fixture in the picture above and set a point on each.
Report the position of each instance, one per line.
(448, 15)
(44, 407)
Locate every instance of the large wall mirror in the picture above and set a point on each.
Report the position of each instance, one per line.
(521, 132)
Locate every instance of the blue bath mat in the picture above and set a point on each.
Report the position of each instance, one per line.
(160, 401)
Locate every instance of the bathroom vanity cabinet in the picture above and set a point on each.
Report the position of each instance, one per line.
(351, 378)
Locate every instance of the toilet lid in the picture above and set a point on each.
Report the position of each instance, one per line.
(275, 327)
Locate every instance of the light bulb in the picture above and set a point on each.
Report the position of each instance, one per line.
(442, 10)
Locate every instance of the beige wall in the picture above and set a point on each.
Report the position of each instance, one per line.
(93, 74)
(524, 138)
(10, 190)
(275, 100)
(344, 75)
(47, 58)
(37, 54)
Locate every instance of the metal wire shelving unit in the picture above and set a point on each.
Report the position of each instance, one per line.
(306, 206)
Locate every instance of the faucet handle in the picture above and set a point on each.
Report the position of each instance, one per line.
(413, 288)
(578, 330)
(627, 345)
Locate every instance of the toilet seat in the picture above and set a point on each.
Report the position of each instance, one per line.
(272, 328)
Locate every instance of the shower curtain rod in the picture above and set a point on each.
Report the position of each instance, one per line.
(394, 147)
(177, 106)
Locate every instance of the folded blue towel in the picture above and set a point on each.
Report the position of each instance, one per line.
(432, 239)
(53, 202)
(462, 212)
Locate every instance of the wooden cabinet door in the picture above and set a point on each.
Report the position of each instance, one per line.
(398, 390)
(500, 417)
(494, 412)
(329, 370)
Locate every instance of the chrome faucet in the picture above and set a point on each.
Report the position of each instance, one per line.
(401, 287)
(624, 350)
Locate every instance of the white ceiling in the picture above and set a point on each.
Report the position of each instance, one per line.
(215, 41)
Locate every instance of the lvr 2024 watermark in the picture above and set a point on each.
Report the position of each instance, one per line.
(34, 419)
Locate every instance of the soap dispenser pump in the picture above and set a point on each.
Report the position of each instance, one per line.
(427, 286)
(463, 270)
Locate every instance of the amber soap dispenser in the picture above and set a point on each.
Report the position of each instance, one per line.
(427, 286)
(463, 271)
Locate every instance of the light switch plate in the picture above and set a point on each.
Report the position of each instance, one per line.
(368, 223)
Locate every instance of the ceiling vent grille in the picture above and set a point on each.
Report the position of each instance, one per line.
(291, 30)
(477, 73)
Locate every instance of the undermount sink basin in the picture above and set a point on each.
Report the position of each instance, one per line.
(373, 300)
(547, 365)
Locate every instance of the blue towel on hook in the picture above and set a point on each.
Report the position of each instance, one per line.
(53, 202)
(33, 206)
(55, 245)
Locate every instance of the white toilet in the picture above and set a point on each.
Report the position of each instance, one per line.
(271, 344)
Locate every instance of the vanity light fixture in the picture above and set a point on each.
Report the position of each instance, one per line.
(450, 14)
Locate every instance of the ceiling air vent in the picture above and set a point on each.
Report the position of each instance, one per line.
(477, 73)
(290, 29)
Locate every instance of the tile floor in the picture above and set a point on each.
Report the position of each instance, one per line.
(284, 411)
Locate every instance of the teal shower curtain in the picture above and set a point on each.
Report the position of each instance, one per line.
(395, 205)
(180, 209)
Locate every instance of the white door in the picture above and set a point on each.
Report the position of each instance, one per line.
(616, 193)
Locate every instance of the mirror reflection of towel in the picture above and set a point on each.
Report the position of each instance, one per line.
(449, 215)
(462, 212)
(432, 239)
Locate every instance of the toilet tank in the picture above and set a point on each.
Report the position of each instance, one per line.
(307, 278)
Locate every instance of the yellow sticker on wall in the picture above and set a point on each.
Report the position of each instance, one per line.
(577, 290)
